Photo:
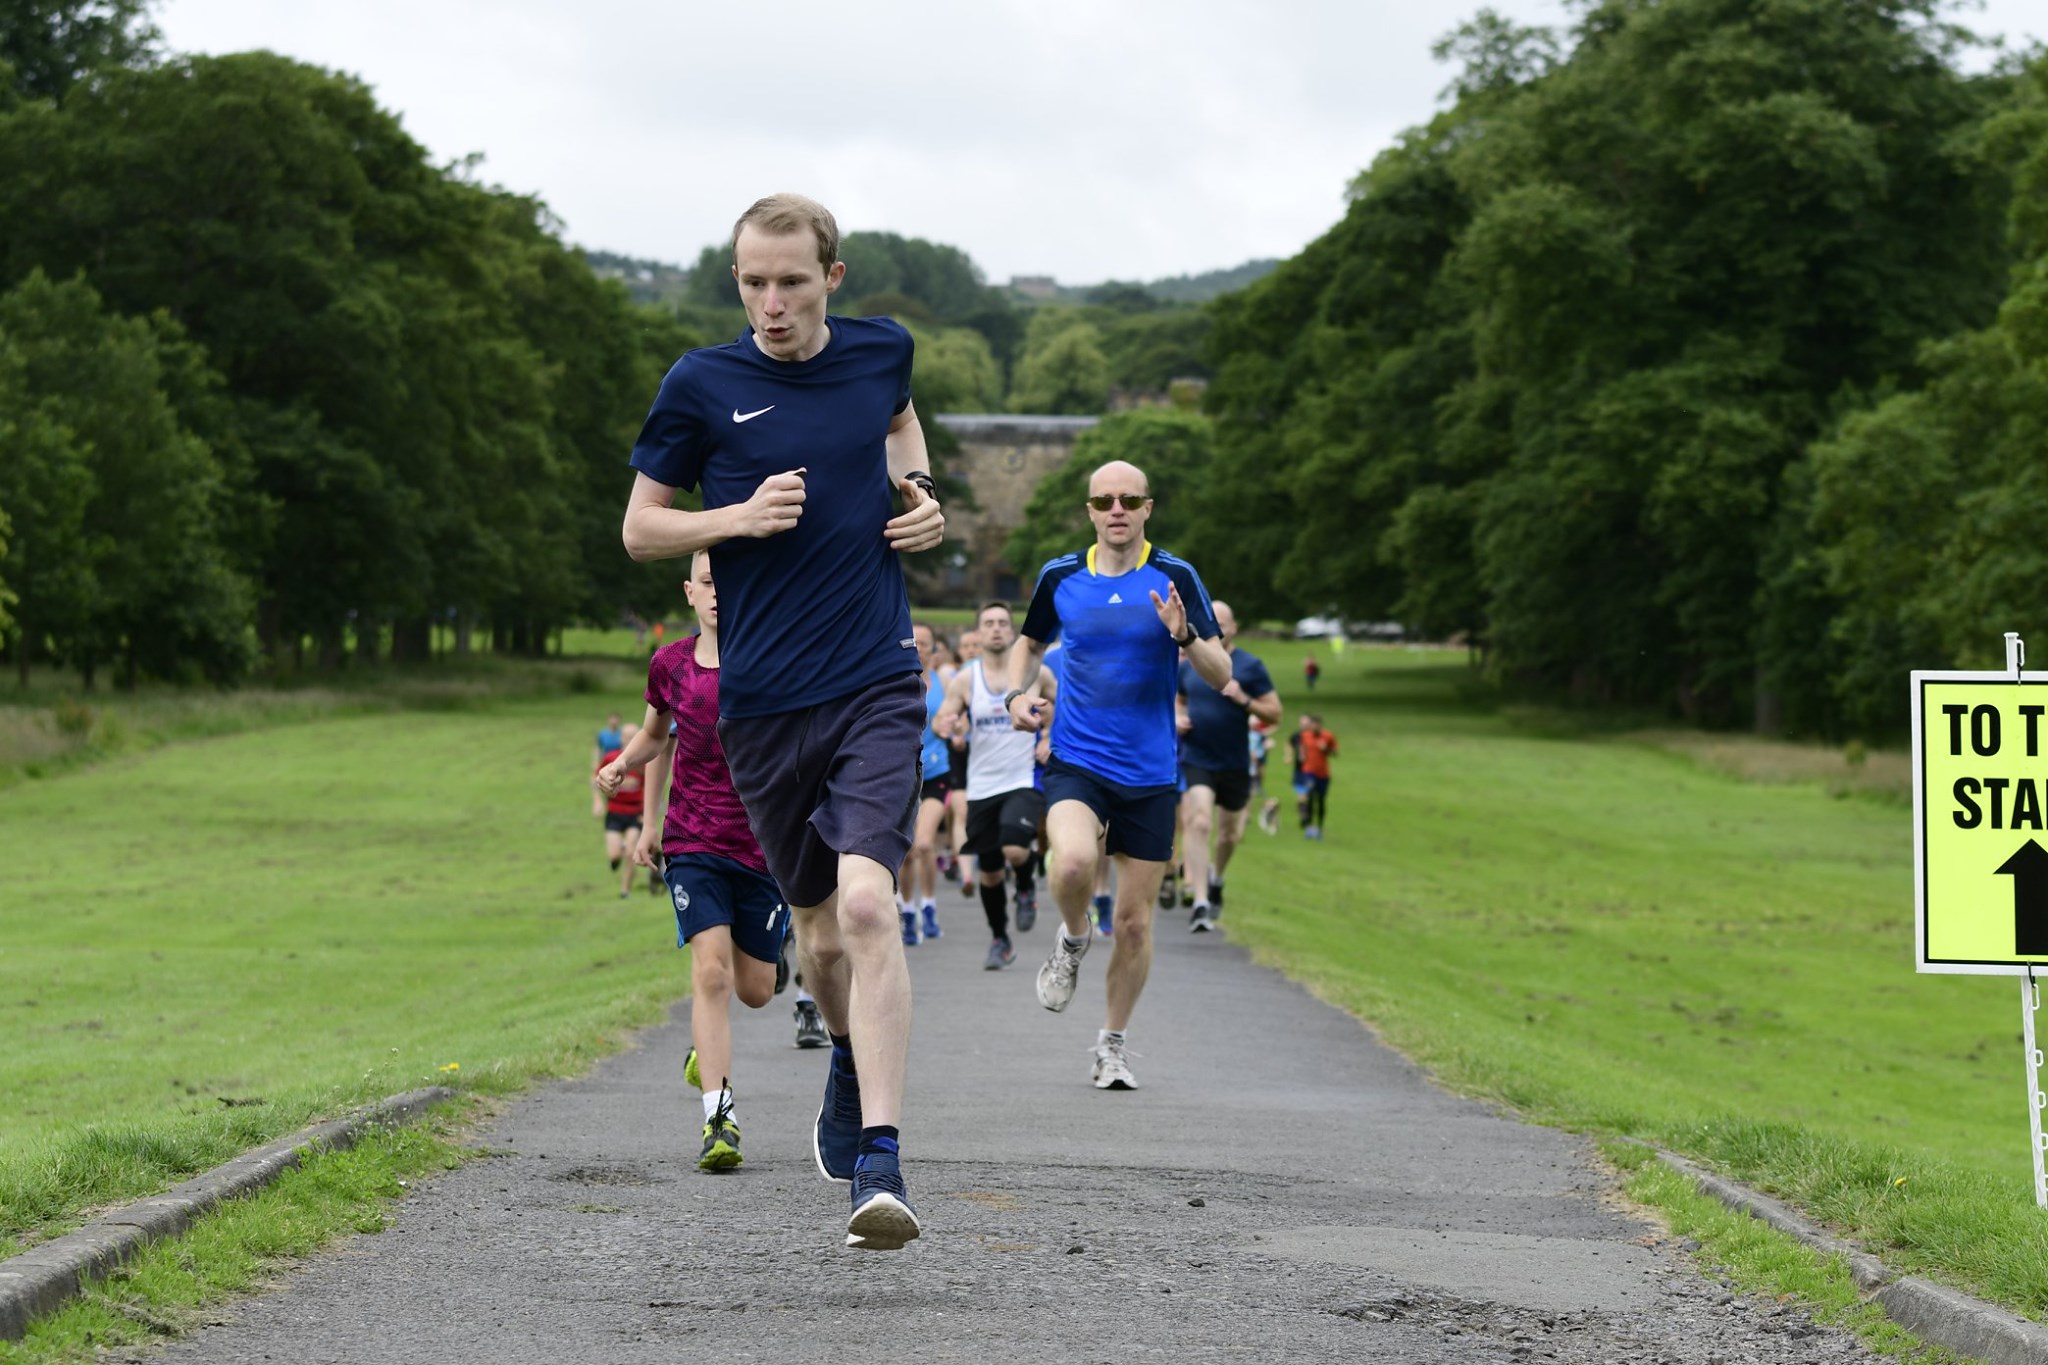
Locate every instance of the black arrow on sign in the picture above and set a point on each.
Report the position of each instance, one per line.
(2028, 868)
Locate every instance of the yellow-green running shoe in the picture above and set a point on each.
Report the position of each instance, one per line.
(691, 1076)
(721, 1139)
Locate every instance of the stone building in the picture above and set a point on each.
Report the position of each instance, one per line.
(1005, 456)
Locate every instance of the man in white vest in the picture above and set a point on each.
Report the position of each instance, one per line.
(1004, 805)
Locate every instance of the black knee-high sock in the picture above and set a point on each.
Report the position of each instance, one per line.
(995, 903)
(1022, 872)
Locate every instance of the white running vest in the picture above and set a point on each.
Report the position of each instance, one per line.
(998, 753)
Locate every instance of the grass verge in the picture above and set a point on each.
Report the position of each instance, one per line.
(1755, 1259)
(174, 1286)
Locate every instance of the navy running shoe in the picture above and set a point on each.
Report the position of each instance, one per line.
(1105, 916)
(931, 920)
(909, 920)
(835, 1142)
(882, 1217)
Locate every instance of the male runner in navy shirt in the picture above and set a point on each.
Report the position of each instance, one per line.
(1123, 612)
(799, 434)
(1216, 762)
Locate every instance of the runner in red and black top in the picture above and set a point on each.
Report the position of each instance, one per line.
(622, 810)
(728, 909)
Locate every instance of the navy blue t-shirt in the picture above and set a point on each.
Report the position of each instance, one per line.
(818, 611)
(1115, 711)
(1220, 737)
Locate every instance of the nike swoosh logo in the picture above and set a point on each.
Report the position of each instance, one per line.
(739, 416)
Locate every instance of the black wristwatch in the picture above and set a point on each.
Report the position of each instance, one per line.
(1185, 643)
(1011, 696)
(923, 480)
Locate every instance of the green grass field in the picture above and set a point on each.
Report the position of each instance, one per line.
(1698, 942)
(209, 944)
(1622, 933)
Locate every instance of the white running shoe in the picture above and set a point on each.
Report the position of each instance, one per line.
(1057, 977)
(1112, 1071)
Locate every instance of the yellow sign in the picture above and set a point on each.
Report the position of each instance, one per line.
(1980, 821)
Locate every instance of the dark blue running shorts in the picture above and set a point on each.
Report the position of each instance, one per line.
(709, 888)
(843, 776)
(1138, 821)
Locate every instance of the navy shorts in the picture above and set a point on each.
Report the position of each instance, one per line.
(1233, 786)
(614, 823)
(1008, 818)
(935, 788)
(709, 889)
(1137, 821)
(839, 777)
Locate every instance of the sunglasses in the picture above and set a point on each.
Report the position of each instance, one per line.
(1102, 502)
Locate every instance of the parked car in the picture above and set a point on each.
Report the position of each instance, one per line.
(1317, 627)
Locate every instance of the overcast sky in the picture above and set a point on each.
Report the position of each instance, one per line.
(1084, 139)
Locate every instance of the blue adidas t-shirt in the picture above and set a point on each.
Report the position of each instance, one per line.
(1120, 671)
(820, 610)
(1220, 737)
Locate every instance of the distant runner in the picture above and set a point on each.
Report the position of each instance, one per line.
(622, 808)
(1216, 760)
(1004, 807)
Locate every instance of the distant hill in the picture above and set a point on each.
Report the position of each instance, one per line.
(661, 281)
(1210, 283)
(1178, 289)
(646, 281)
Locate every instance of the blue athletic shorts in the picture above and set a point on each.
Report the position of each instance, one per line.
(709, 889)
(1137, 821)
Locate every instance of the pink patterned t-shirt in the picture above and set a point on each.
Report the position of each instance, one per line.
(704, 812)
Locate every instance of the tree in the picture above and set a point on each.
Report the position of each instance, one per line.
(48, 46)
(1925, 509)
(131, 567)
(1559, 365)
(1062, 369)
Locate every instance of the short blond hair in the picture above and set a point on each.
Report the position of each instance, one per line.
(781, 213)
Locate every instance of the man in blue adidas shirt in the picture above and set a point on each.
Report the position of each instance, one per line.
(800, 433)
(1123, 612)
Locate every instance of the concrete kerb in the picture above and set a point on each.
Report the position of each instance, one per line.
(42, 1279)
(1967, 1326)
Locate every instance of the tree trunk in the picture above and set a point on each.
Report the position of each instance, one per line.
(367, 632)
(462, 629)
(330, 656)
(269, 630)
(1770, 707)
(412, 640)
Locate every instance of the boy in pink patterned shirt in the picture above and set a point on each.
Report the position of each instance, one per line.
(728, 909)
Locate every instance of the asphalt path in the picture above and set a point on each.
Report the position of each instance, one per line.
(1281, 1187)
